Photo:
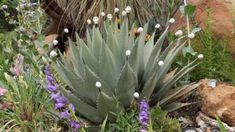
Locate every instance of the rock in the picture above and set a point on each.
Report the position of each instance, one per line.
(218, 101)
(50, 38)
(219, 13)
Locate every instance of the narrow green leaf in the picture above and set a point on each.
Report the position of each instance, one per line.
(107, 62)
(84, 109)
(126, 85)
(104, 124)
(175, 106)
(97, 41)
(88, 57)
(148, 49)
(77, 60)
(108, 106)
(149, 86)
(71, 79)
(189, 10)
(221, 126)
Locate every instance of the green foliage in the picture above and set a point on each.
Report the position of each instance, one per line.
(162, 122)
(189, 10)
(103, 60)
(126, 122)
(221, 126)
(218, 63)
(5, 14)
(29, 106)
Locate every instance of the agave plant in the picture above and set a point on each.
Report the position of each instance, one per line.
(114, 64)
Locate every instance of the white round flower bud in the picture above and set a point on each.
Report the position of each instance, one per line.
(128, 52)
(110, 16)
(157, 26)
(102, 14)
(96, 20)
(200, 56)
(191, 35)
(55, 42)
(136, 95)
(66, 30)
(98, 84)
(172, 20)
(124, 13)
(140, 30)
(128, 9)
(179, 33)
(116, 10)
(53, 54)
(4, 7)
(161, 63)
(89, 21)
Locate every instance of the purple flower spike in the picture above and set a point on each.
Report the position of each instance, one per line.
(54, 96)
(51, 87)
(144, 116)
(60, 105)
(61, 99)
(74, 124)
(61, 102)
(65, 114)
(50, 79)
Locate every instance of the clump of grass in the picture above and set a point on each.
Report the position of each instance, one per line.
(218, 62)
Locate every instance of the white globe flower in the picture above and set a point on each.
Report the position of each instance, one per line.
(110, 16)
(116, 10)
(128, 52)
(191, 35)
(53, 54)
(89, 21)
(179, 33)
(102, 14)
(98, 84)
(157, 26)
(200, 56)
(161, 63)
(96, 20)
(4, 7)
(140, 30)
(124, 13)
(66, 30)
(55, 42)
(136, 95)
(128, 9)
(172, 20)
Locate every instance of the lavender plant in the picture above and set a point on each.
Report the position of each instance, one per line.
(144, 115)
(61, 102)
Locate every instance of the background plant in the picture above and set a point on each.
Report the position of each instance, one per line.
(74, 14)
(128, 122)
(218, 63)
(29, 106)
(7, 15)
